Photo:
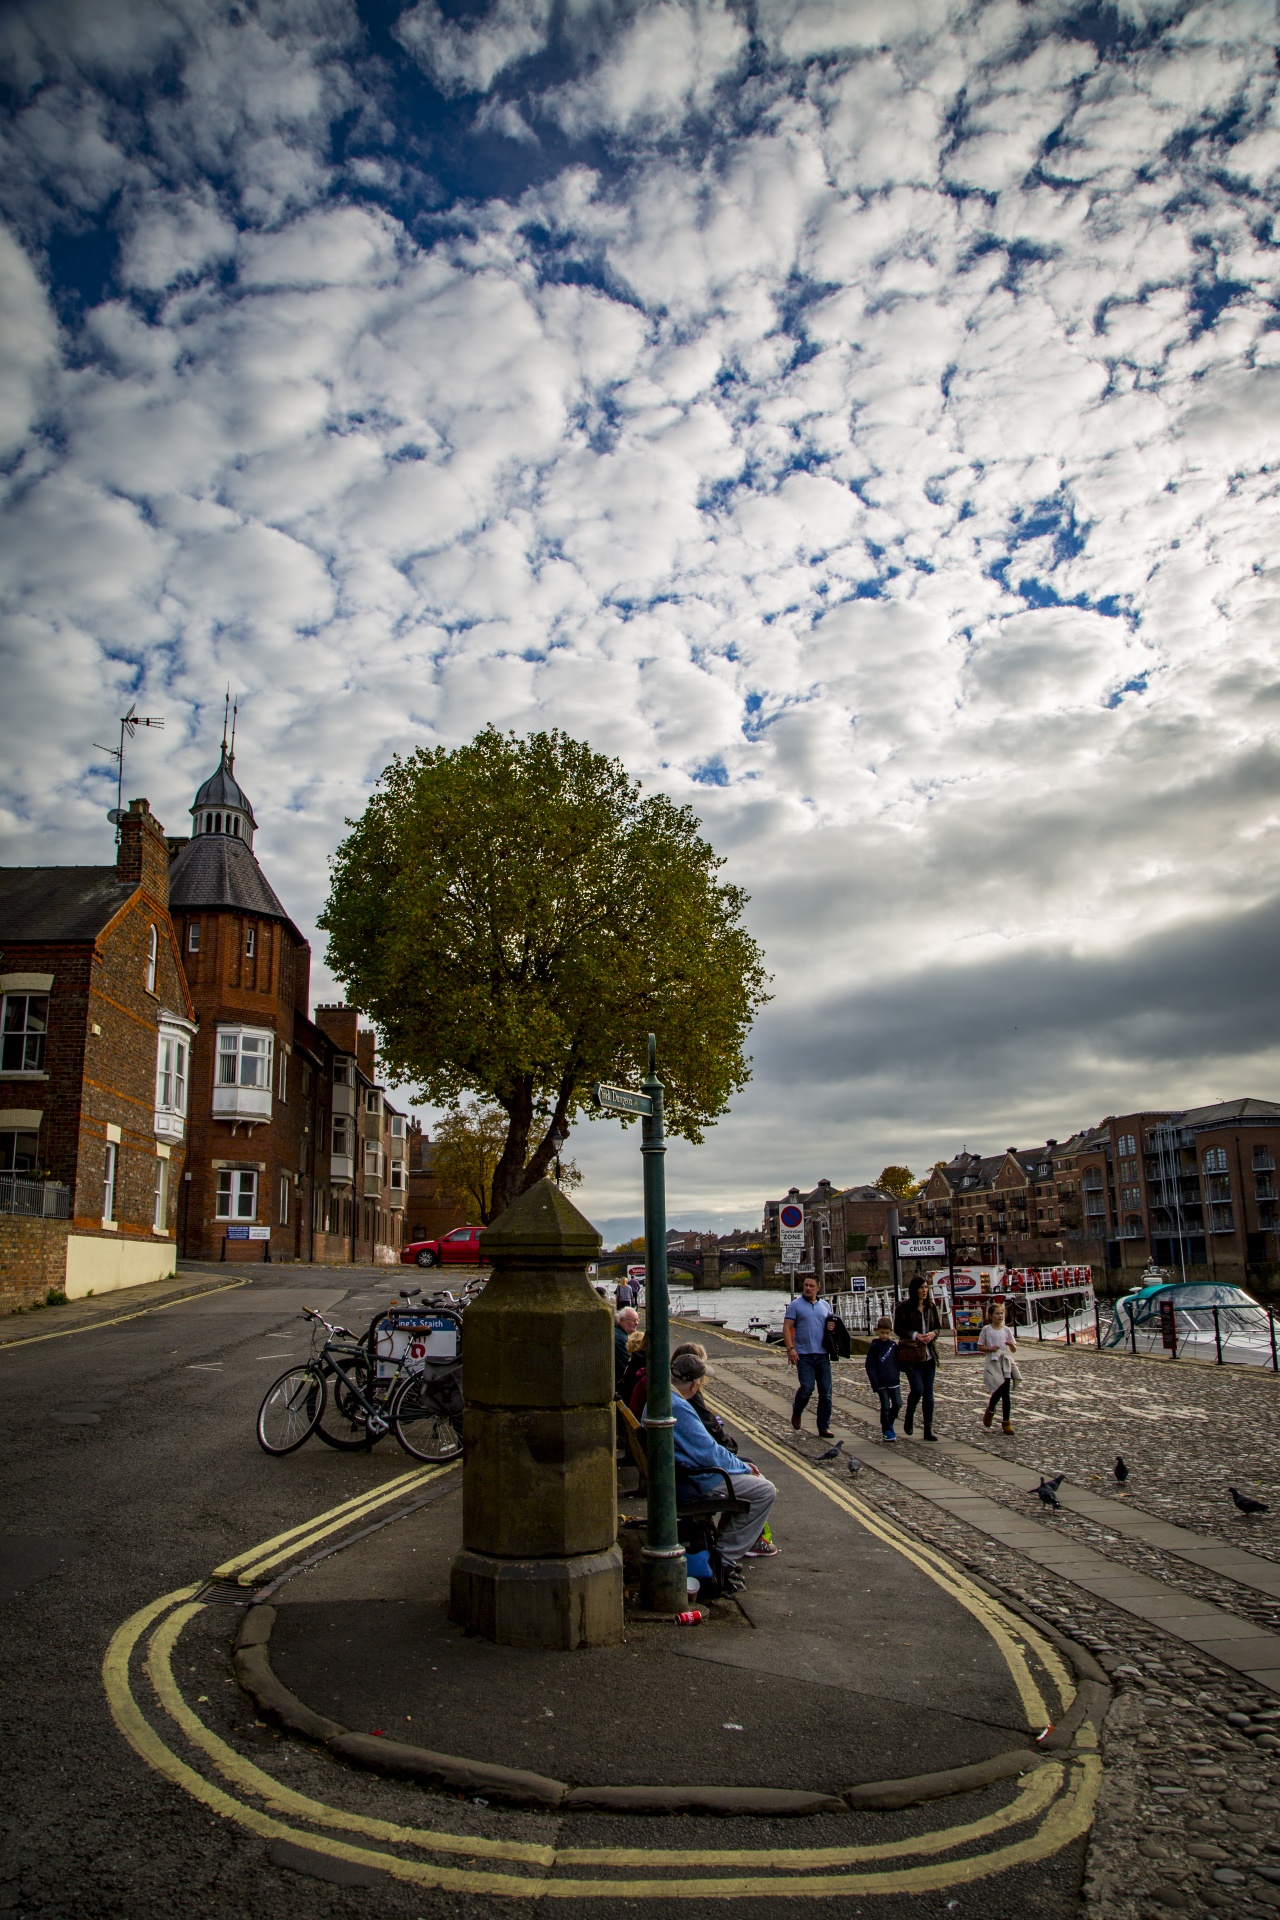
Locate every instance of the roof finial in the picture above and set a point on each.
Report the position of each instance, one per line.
(226, 708)
(231, 761)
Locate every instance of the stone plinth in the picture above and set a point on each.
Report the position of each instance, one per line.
(540, 1564)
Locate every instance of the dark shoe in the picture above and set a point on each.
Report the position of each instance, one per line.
(931, 1436)
(908, 1425)
(825, 1433)
(795, 1421)
(733, 1581)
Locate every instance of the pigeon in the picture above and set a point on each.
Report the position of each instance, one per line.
(1246, 1504)
(831, 1452)
(1048, 1490)
(1120, 1470)
(855, 1465)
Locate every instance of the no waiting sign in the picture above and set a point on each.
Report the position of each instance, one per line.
(790, 1233)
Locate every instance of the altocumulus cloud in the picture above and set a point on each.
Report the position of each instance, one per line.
(859, 416)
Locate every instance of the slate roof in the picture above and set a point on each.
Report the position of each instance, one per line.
(214, 870)
(1222, 1112)
(59, 903)
(868, 1194)
(222, 789)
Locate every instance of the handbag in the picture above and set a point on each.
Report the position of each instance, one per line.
(912, 1353)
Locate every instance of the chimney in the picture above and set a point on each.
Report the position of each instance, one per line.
(366, 1052)
(340, 1024)
(143, 854)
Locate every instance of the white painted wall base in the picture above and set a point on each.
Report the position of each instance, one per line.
(103, 1266)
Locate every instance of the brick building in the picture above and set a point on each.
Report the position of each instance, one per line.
(295, 1152)
(96, 1026)
(857, 1225)
(431, 1211)
(1021, 1207)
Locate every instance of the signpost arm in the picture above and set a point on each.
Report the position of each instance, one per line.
(664, 1576)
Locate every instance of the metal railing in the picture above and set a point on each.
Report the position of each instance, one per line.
(35, 1199)
(1204, 1333)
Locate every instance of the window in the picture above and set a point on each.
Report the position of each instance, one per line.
(237, 1193)
(372, 1160)
(1218, 1187)
(1126, 1144)
(372, 1100)
(250, 942)
(341, 1133)
(153, 954)
(26, 1021)
(340, 1078)
(1094, 1204)
(171, 1075)
(18, 1151)
(244, 1058)
(193, 937)
(1264, 1187)
(235, 826)
(109, 1182)
(1215, 1160)
(397, 1126)
(1264, 1161)
(160, 1212)
(285, 1185)
(282, 1075)
(1093, 1180)
(397, 1176)
(1132, 1197)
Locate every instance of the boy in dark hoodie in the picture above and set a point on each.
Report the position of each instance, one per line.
(885, 1378)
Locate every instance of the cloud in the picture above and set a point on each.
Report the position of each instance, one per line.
(468, 58)
(866, 430)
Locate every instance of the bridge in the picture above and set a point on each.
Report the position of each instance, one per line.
(751, 1266)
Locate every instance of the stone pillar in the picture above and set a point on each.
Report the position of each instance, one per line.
(540, 1564)
(711, 1269)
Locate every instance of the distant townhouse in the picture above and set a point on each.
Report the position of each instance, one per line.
(853, 1225)
(1020, 1207)
(96, 1028)
(432, 1212)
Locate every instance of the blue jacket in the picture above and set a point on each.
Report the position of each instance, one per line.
(695, 1450)
(882, 1364)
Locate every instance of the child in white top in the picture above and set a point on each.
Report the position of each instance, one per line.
(998, 1372)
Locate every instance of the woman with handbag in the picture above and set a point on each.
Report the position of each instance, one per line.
(917, 1325)
(999, 1369)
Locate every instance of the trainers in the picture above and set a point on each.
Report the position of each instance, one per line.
(890, 1434)
(762, 1550)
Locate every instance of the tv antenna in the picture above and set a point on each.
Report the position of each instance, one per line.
(128, 724)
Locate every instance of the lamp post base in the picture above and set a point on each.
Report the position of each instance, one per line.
(664, 1581)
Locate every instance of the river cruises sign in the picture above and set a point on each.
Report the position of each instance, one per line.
(926, 1249)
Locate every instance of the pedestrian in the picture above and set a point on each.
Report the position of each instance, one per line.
(624, 1295)
(624, 1325)
(999, 1369)
(696, 1452)
(917, 1325)
(885, 1375)
(804, 1327)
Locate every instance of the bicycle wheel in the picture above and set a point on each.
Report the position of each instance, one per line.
(290, 1410)
(419, 1425)
(343, 1422)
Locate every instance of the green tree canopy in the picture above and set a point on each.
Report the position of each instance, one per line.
(516, 917)
(899, 1181)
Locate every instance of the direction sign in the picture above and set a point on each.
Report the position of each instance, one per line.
(930, 1248)
(621, 1099)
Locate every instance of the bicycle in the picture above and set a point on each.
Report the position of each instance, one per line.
(421, 1338)
(422, 1409)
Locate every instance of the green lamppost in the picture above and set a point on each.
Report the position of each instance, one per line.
(664, 1576)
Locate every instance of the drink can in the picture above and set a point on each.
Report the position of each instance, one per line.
(689, 1619)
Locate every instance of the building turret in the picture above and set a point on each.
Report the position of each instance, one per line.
(222, 806)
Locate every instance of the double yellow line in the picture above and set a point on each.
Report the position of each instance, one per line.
(1057, 1799)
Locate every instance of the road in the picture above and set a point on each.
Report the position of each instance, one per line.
(130, 1469)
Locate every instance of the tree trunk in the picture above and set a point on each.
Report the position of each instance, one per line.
(507, 1182)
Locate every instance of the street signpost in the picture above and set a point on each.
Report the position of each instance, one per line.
(790, 1238)
(663, 1573)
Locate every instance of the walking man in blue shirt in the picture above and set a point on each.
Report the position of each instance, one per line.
(804, 1326)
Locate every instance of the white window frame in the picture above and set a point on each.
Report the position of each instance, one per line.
(397, 1176)
(231, 1046)
(235, 1186)
(172, 1072)
(372, 1100)
(343, 1130)
(341, 1075)
(372, 1160)
(250, 941)
(193, 937)
(153, 957)
(160, 1209)
(110, 1169)
(38, 1034)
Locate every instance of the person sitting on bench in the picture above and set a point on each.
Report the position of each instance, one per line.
(696, 1451)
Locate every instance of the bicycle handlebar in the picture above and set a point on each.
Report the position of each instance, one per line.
(339, 1333)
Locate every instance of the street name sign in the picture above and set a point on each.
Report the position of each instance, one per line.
(930, 1248)
(621, 1099)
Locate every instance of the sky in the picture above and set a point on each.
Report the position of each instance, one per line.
(857, 415)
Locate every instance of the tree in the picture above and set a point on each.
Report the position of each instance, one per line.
(900, 1182)
(468, 1144)
(515, 917)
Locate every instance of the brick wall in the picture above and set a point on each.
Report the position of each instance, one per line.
(33, 1258)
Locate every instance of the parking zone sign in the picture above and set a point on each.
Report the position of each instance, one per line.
(790, 1233)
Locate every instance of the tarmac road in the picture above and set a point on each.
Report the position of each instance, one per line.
(131, 1470)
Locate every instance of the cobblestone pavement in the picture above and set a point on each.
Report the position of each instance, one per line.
(1189, 1818)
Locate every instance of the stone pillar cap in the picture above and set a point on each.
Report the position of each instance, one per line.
(543, 1225)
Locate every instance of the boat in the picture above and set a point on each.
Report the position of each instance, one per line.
(1244, 1331)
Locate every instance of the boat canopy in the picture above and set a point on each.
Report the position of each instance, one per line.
(1192, 1301)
